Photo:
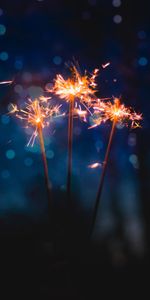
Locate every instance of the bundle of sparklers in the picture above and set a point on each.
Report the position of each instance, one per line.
(79, 91)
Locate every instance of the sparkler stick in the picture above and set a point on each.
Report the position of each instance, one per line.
(70, 144)
(36, 114)
(116, 113)
(100, 187)
(47, 181)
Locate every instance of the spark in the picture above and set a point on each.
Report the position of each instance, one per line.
(6, 82)
(104, 66)
(44, 99)
(36, 114)
(94, 165)
(13, 108)
(77, 86)
(117, 112)
(80, 112)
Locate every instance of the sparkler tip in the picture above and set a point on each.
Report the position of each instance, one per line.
(35, 114)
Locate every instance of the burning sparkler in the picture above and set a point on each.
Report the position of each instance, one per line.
(37, 114)
(83, 89)
(116, 112)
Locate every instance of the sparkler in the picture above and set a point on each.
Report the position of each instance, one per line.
(36, 115)
(116, 113)
(77, 87)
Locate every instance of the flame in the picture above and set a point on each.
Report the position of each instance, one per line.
(117, 112)
(35, 114)
(77, 86)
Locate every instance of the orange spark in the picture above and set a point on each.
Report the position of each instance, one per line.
(117, 112)
(13, 108)
(94, 165)
(35, 114)
(44, 99)
(82, 113)
(77, 86)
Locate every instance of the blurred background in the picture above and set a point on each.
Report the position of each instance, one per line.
(37, 39)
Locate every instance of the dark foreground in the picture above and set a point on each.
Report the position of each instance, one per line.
(32, 268)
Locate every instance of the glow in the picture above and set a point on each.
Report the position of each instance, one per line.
(92, 2)
(133, 159)
(49, 154)
(116, 3)
(2, 29)
(99, 145)
(57, 60)
(18, 89)
(132, 140)
(28, 161)
(27, 76)
(6, 82)
(47, 141)
(117, 19)
(35, 91)
(10, 154)
(18, 64)
(94, 165)
(143, 61)
(104, 66)
(1, 11)
(4, 56)
(77, 130)
(142, 34)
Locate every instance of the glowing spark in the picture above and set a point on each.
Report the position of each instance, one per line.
(80, 112)
(44, 99)
(78, 86)
(94, 165)
(6, 82)
(104, 66)
(117, 112)
(35, 114)
(13, 108)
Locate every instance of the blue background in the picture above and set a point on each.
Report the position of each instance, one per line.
(37, 38)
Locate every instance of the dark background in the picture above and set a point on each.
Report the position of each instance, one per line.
(58, 260)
